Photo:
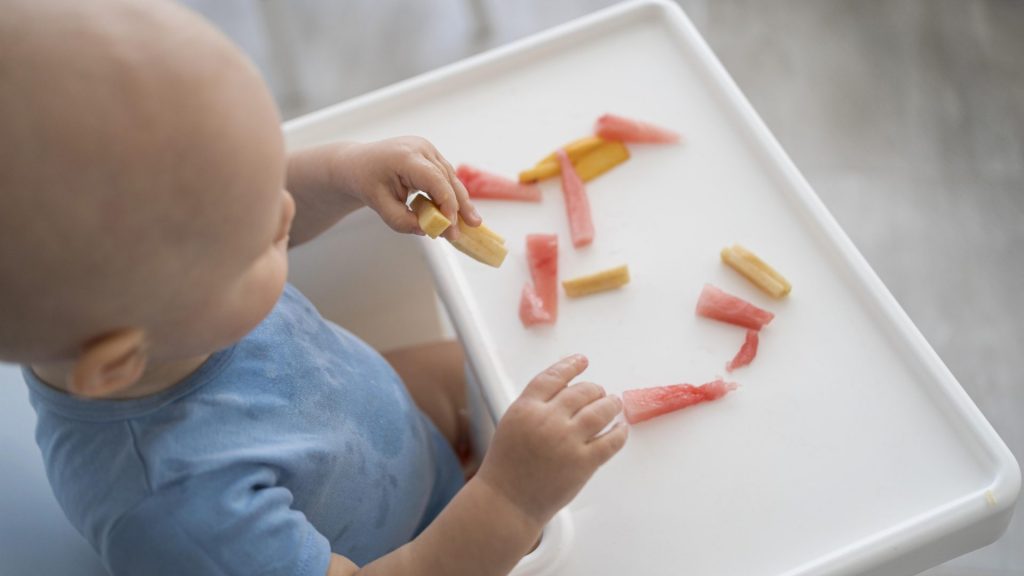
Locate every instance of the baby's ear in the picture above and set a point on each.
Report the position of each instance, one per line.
(109, 364)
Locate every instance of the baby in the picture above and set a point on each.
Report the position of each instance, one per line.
(196, 415)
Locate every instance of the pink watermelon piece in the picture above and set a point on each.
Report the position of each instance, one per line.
(542, 257)
(612, 127)
(531, 308)
(538, 303)
(577, 205)
(490, 186)
(746, 353)
(718, 305)
(645, 403)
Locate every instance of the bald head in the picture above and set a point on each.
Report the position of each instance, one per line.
(137, 144)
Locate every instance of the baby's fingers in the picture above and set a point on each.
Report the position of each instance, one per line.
(608, 444)
(438, 183)
(423, 174)
(580, 394)
(396, 215)
(595, 416)
(466, 208)
(557, 376)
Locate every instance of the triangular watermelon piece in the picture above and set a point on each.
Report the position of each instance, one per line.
(612, 127)
(490, 186)
(645, 403)
(718, 305)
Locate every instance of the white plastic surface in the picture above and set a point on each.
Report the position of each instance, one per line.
(848, 449)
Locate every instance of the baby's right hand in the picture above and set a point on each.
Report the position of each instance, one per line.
(383, 174)
(544, 449)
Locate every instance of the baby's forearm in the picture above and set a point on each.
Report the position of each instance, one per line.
(320, 199)
(479, 533)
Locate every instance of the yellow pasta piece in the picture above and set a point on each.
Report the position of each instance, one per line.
(601, 159)
(481, 244)
(431, 220)
(756, 270)
(481, 230)
(576, 149)
(542, 171)
(589, 165)
(598, 282)
(548, 166)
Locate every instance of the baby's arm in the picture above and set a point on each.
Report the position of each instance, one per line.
(479, 533)
(332, 180)
(544, 450)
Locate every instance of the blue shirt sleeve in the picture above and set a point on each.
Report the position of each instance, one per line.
(223, 522)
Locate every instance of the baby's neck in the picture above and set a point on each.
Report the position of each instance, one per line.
(155, 379)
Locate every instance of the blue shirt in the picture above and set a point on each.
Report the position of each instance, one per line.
(297, 441)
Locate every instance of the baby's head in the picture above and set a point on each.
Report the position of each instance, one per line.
(142, 203)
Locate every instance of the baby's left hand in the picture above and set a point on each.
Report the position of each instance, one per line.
(382, 174)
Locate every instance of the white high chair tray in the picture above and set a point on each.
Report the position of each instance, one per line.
(849, 447)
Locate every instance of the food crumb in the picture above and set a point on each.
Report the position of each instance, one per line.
(990, 498)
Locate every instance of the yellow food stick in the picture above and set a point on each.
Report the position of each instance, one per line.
(756, 270)
(481, 244)
(601, 159)
(481, 230)
(589, 165)
(431, 220)
(576, 149)
(548, 167)
(542, 171)
(598, 282)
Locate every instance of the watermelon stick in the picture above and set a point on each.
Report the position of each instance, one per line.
(719, 305)
(645, 403)
(746, 353)
(538, 303)
(612, 127)
(488, 186)
(577, 205)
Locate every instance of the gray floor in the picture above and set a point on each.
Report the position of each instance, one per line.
(907, 117)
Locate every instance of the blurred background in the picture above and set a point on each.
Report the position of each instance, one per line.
(906, 116)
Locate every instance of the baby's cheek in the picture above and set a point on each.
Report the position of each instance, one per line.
(252, 300)
(264, 291)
